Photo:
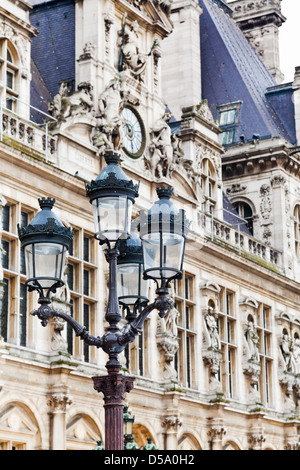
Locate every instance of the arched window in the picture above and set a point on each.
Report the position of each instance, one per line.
(245, 212)
(297, 230)
(208, 185)
(8, 74)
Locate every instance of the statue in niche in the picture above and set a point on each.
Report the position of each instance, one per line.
(80, 102)
(296, 352)
(167, 339)
(109, 131)
(161, 160)
(131, 57)
(212, 326)
(287, 353)
(252, 340)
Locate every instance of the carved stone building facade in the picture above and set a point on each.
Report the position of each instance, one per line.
(194, 109)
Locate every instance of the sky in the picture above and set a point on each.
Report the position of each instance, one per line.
(289, 38)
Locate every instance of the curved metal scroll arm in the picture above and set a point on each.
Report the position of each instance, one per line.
(112, 342)
(45, 313)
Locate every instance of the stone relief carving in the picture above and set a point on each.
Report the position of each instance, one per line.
(79, 103)
(266, 203)
(89, 52)
(109, 132)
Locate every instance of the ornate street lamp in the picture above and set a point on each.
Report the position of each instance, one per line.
(163, 233)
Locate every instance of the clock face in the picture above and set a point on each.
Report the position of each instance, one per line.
(134, 140)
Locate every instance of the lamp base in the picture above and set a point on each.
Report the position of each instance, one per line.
(114, 387)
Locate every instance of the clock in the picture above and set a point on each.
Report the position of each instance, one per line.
(134, 133)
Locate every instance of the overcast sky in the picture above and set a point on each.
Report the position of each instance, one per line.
(289, 38)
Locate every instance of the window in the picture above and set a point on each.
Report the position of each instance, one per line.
(185, 356)
(245, 213)
(208, 185)
(266, 360)
(8, 74)
(228, 122)
(297, 230)
(227, 332)
(14, 305)
(81, 276)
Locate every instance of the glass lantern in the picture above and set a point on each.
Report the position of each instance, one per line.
(132, 287)
(163, 233)
(112, 195)
(45, 241)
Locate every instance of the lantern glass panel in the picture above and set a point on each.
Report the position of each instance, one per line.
(112, 217)
(45, 263)
(131, 285)
(163, 250)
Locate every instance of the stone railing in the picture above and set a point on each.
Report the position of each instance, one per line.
(28, 136)
(221, 232)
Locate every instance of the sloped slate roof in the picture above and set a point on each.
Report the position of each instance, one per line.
(232, 71)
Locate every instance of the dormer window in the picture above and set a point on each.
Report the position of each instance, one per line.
(8, 74)
(228, 121)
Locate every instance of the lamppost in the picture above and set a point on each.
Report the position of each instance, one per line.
(163, 232)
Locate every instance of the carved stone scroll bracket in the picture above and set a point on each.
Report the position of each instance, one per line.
(212, 358)
(59, 399)
(256, 438)
(216, 432)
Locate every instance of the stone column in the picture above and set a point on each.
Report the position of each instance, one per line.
(58, 401)
(171, 425)
(181, 59)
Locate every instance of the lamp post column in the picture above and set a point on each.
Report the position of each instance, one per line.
(114, 386)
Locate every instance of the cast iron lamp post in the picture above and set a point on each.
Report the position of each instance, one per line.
(163, 232)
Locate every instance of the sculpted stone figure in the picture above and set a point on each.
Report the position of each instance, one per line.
(161, 160)
(252, 342)
(131, 57)
(109, 131)
(213, 329)
(287, 353)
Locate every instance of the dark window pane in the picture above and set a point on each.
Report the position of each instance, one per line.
(86, 322)
(4, 310)
(5, 218)
(23, 312)
(86, 249)
(71, 276)
(5, 254)
(86, 282)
